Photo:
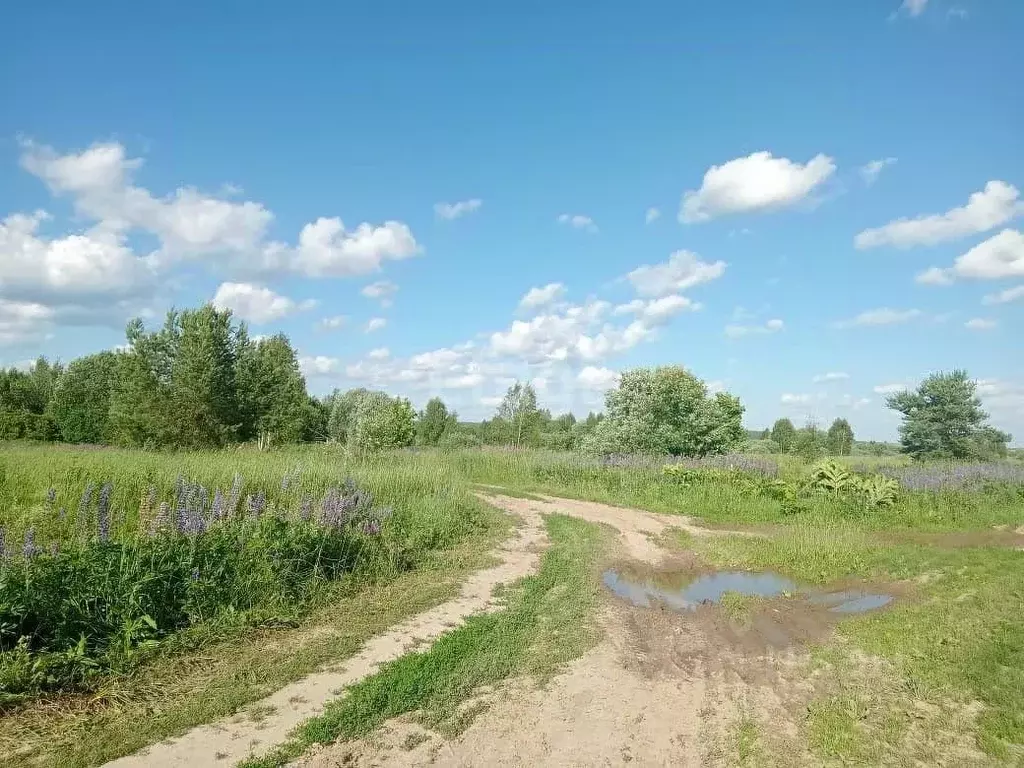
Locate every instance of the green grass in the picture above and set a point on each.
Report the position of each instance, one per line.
(547, 622)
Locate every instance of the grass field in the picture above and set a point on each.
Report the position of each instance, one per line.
(954, 644)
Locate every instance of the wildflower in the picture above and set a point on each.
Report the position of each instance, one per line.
(146, 505)
(86, 501)
(234, 495)
(306, 508)
(181, 506)
(103, 512)
(195, 574)
(371, 527)
(54, 549)
(256, 504)
(51, 496)
(162, 519)
(29, 549)
(217, 510)
(63, 514)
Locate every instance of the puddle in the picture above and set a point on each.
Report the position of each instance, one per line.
(710, 589)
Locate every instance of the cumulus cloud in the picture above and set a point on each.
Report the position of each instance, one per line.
(881, 316)
(578, 221)
(256, 303)
(382, 290)
(380, 353)
(451, 211)
(789, 398)
(735, 331)
(1010, 294)
(993, 206)
(980, 324)
(870, 172)
(652, 215)
(757, 182)
(823, 378)
(319, 365)
(22, 321)
(190, 224)
(1000, 256)
(934, 276)
(657, 311)
(375, 324)
(597, 379)
(332, 323)
(683, 270)
(536, 298)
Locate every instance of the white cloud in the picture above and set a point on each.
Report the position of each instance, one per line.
(540, 297)
(980, 324)
(455, 210)
(822, 378)
(934, 276)
(380, 353)
(657, 311)
(985, 210)
(332, 323)
(1010, 294)
(597, 379)
(22, 321)
(913, 7)
(793, 399)
(735, 331)
(849, 401)
(882, 316)
(651, 215)
(319, 365)
(1000, 256)
(753, 183)
(257, 304)
(375, 324)
(871, 171)
(383, 290)
(683, 270)
(192, 224)
(889, 389)
(578, 221)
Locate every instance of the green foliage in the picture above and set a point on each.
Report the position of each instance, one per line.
(808, 443)
(271, 392)
(518, 415)
(943, 419)
(434, 422)
(783, 434)
(343, 407)
(381, 422)
(25, 399)
(833, 479)
(667, 410)
(839, 439)
(81, 398)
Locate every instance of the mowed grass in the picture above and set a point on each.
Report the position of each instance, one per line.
(547, 621)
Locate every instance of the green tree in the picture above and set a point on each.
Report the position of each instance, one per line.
(808, 442)
(783, 435)
(839, 439)
(667, 410)
(381, 422)
(81, 398)
(272, 395)
(519, 411)
(943, 419)
(434, 421)
(343, 410)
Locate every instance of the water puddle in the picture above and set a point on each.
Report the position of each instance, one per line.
(712, 588)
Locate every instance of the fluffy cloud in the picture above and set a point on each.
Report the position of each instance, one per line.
(882, 316)
(889, 389)
(332, 323)
(380, 353)
(657, 311)
(793, 399)
(980, 324)
(871, 171)
(22, 321)
(985, 210)
(541, 297)
(753, 183)
(375, 324)
(383, 290)
(257, 304)
(735, 331)
(822, 378)
(934, 276)
(652, 215)
(1000, 256)
(1010, 294)
(912, 7)
(451, 211)
(597, 379)
(319, 365)
(578, 221)
(192, 224)
(683, 270)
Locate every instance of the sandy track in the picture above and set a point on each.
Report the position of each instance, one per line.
(227, 741)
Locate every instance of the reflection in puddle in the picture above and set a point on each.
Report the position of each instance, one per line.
(710, 589)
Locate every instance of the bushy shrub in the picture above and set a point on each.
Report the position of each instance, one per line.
(381, 422)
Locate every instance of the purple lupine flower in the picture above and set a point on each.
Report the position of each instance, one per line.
(162, 519)
(256, 504)
(286, 481)
(86, 501)
(234, 495)
(29, 548)
(305, 508)
(63, 513)
(51, 497)
(103, 512)
(371, 527)
(181, 507)
(217, 508)
(148, 500)
(195, 574)
(54, 549)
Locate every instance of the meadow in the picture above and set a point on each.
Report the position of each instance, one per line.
(142, 592)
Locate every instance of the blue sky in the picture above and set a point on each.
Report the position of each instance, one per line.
(805, 203)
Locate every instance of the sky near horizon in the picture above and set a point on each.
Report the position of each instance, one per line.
(807, 204)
